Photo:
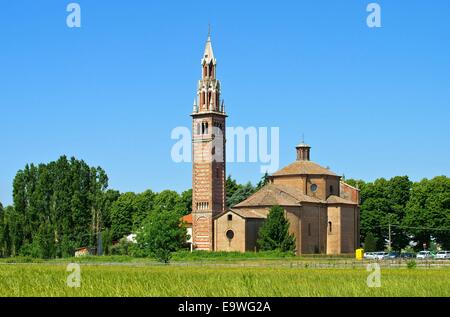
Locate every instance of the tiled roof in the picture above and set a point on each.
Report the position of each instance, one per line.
(304, 167)
(282, 195)
(244, 213)
(339, 200)
(187, 219)
(248, 214)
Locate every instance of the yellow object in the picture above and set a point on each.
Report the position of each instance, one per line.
(359, 254)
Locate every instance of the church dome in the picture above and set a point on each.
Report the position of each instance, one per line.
(304, 168)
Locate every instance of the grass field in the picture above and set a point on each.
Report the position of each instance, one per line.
(49, 279)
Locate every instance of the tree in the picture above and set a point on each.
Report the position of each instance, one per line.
(263, 182)
(2, 232)
(129, 211)
(6, 247)
(108, 198)
(99, 183)
(383, 203)
(162, 234)
(12, 231)
(144, 203)
(169, 200)
(122, 211)
(107, 241)
(241, 194)
(370, 243)
(186, 201)
(235, 193)
(274, 233)
(57, 207)
(231, 186)
(428, 211)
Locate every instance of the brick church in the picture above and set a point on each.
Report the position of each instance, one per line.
(322, 210)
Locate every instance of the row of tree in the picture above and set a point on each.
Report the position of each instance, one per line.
(417, 212)
(64, 205)
(57, 207)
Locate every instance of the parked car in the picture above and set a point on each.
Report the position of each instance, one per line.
(369, 255)
(393, 255)
(381, 255)
(407, 255)
(423, 255)
(443, 255)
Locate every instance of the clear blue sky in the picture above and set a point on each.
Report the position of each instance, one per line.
(371, 102)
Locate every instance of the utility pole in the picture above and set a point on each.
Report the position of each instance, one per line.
(390, 241)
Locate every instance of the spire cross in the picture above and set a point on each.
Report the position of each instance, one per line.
(209, 30)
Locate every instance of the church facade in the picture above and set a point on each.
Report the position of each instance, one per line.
(323, 211)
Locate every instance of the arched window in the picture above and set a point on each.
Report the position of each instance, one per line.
(331, 189)
(205, 128)
(330, 227)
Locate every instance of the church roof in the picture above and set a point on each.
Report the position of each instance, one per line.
(302, 168)
(333, 199)
(282, 195)
(244, 213)
(248, 214)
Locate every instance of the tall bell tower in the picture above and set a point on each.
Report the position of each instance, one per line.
(208, 150)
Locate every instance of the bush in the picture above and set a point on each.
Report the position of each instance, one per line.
(222, 255)
(411, 264)
(21, 259)
(121, 248)
(30, 250)
(97, 259)
(163, 255)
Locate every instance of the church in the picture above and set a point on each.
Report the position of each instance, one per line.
(322, 210)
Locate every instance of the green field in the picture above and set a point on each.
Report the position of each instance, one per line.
(126, 279)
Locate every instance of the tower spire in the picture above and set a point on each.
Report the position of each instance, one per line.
(208, 55)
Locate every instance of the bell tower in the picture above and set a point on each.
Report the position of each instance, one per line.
(208, 150)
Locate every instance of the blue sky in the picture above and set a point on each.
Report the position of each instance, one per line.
(371, 102)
